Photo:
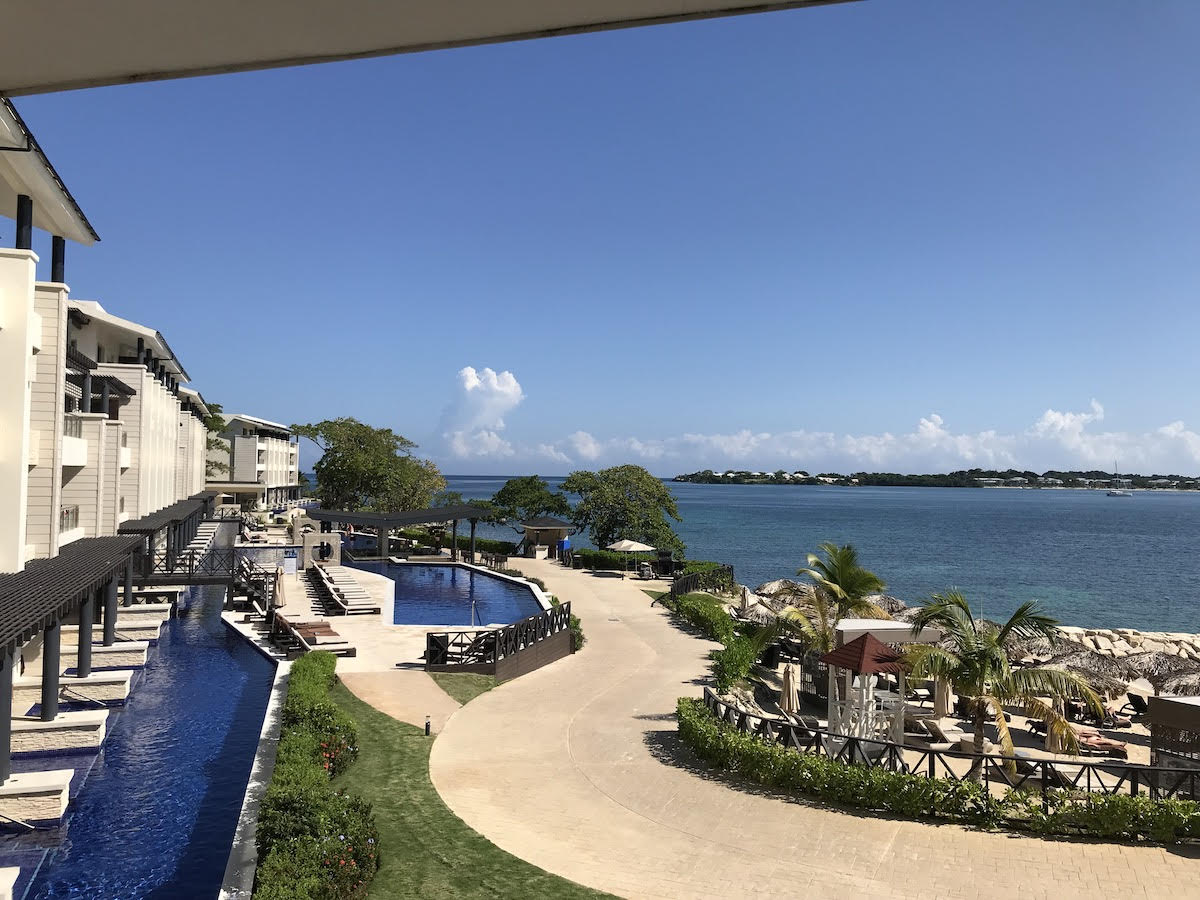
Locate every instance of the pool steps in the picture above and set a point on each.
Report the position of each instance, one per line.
(101, 687)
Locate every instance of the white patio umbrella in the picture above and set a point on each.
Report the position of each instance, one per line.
(627, 546)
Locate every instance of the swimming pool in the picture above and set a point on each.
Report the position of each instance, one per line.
(156, 815)
(457, 595)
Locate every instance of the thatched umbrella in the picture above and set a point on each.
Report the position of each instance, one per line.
(1186, 685)
(1039, 647)
(1105, 674)
(1158, 668)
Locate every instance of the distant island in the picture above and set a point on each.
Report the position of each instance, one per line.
(964, 478)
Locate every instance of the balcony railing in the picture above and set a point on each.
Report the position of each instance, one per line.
(68, 518)
(72, 427)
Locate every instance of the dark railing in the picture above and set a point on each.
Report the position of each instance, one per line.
(220, 562)
(1009, 772)
(694, 581)
(490, 646)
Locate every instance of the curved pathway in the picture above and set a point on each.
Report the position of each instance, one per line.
(575, 768)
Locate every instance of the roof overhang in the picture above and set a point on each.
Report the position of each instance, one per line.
(24, 169)
(154, 339)
(399, 519)
(887, 630)
(58, 45)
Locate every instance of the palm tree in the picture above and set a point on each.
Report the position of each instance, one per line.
(972, 657)
(841, 587)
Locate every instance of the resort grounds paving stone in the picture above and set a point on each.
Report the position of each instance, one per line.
(577, 768)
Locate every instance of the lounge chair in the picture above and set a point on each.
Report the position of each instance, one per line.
(1030, 766)
(1137, 705)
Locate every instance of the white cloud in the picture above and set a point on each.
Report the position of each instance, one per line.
(1057, 439)
(473, 422)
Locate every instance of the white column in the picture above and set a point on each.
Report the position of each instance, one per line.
(20, 332)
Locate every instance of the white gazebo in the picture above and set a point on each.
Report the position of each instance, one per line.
(860, 708)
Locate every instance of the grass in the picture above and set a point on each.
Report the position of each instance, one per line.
(463, 687)
(425, 850)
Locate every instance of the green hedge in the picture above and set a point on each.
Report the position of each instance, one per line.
(611, 561)
(482, 545)
(577, 636)
(914, 796)
(314, 843)
(705, 613)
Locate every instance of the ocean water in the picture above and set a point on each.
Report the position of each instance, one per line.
(1092, 560)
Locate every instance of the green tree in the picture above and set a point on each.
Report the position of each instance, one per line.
(973, 659)
(840, 589)
(366, 468)
(215, 423)
(527, 497)
(624, 502)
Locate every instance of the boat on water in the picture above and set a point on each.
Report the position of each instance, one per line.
(1117, 490)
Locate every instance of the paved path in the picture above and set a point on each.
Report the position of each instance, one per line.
(573, 769)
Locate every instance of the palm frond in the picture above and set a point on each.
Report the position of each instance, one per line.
(932, 661)
(1058, 729)
(1027, 622)
(1055, 683)
(1002, 732)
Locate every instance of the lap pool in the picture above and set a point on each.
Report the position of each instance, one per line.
(457, 595)
(156, 814)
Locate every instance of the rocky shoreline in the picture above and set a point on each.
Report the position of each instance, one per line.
(1114, 642)
(1122, 642)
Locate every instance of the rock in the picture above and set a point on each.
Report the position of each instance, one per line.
(1122, 647)
(1087, 641)
(889, 604)
(1136, 641)
(1071, 631)
(1102, 642)
(1149, 646)
(783, 586)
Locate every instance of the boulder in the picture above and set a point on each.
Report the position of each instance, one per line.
(1122, 647)
(1102, 642)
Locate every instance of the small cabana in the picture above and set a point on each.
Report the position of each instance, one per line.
(545, 531)
(1174, 732)
(859, 709)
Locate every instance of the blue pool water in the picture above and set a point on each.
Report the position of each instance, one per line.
(444, 595)
(156, 815)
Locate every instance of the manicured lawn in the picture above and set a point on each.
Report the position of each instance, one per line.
(463, 687)
(425, 850)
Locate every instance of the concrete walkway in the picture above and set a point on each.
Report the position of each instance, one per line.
(576, 768)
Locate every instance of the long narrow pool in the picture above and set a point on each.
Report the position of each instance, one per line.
(156, 815)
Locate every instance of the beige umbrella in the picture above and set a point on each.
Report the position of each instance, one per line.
(626, 546)
(789, 702)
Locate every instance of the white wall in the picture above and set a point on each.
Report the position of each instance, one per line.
(20, 330)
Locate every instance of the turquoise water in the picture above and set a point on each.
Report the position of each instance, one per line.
(1091, 559)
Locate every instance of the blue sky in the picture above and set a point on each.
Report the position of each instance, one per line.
(883, 235)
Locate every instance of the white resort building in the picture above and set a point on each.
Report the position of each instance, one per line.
(260, 463)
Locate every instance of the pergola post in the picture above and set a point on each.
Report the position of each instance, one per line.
(24, 233)
(454, 540)
(128, 599)
(58, 259)
(110, 612)
(941, 698)
(83, 660)
(473, 523)
(384, 546)
(85, 398)
(50, 670)
(6, 680)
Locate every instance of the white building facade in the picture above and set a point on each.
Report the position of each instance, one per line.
(258, 463)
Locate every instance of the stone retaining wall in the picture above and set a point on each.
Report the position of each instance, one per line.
(1120, 642)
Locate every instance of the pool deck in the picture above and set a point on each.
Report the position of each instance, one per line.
(577, 768)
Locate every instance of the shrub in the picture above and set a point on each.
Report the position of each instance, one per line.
(732, 663)
(517, 573)
(314, 842)
(577, 636)
(705, 613)
(610, 560)
(914, 796)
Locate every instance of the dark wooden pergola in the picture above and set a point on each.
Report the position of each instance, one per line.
(176, 523)
(81, 580)
(383, 522)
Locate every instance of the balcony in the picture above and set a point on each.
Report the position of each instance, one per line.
(74, 447)
(69, 528)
